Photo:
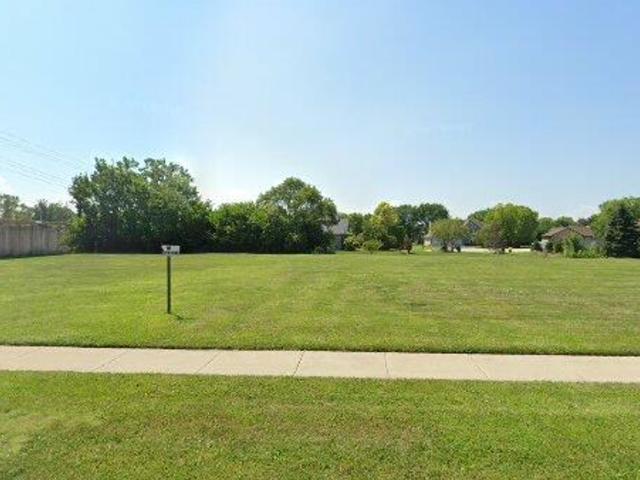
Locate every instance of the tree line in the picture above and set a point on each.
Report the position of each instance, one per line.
(12, 210)
(616, 226)
(130, 206)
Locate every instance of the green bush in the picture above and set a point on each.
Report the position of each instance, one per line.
(372, 245)
(557, 247)
(573, 246)
(593, 252)
(352, 242)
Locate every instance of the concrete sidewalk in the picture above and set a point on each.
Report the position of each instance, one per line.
(557, 368)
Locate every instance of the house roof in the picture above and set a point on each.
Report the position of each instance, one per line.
(474, 222)
(340, 228)
(581, 230)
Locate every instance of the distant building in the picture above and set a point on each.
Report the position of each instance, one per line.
(560, 234)
(340, 231)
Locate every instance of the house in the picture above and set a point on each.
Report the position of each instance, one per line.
(560, 234)
(340, 231)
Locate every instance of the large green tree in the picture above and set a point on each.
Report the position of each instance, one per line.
(602, 219)
(237, 227)
(357, 222)
(544, 225)
(622, 238)
(480, 215)
(296, 217)
(130, 207)
(292, 217)
(516, 224)
(410, 227)
(564, 221)
(414, 220)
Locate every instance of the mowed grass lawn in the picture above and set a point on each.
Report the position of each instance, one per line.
(349, 301)
(133, 426)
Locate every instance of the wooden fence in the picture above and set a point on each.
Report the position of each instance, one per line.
(23, 240)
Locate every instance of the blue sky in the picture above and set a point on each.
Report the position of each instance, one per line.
(464, 103)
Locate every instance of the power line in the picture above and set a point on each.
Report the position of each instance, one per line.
(32, 173)
(59, 163)
(16, 138)
(33, 148)
(36, 171)
(33, 176)
(30, 177)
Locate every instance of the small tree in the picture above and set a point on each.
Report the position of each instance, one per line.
(384, 226)
(451, 232)
(621, 237)
(492, 236)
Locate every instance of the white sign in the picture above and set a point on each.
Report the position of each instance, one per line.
(170, 249)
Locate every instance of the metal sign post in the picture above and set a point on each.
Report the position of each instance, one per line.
(169, 251)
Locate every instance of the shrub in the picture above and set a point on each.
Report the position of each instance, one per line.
(372, 245)
(557, 247)
(352, 242)
(573, 246)
(593, 252)
(536, 246)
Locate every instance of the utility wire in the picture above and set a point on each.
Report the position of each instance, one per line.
(32, 153)
(75, 159)
(32, 177)
(33, 148)
(31, 173)
(33, 170)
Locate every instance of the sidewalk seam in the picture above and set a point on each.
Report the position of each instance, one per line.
(477, 365)
(298, 364)
(216, 354)
(110, 361)
(386, 365)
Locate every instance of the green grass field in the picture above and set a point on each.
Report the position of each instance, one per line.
(351, 301)
(133, 426)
